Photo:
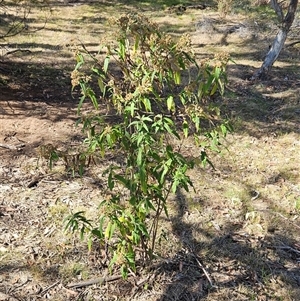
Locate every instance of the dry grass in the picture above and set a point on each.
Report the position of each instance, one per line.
(241, 224)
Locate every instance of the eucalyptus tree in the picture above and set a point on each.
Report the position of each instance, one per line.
(286, 20)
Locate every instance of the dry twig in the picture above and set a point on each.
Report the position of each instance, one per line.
(48, 288)
(204, 270)
(288, 248)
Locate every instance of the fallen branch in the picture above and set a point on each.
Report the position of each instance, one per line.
(18, 50)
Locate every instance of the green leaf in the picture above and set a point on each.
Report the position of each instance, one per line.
(101, 85)
(224, 129)
(229, 127)
(214, 89)
(82, 230)
(81, 169)
(169, 130)
(136, 44)
(166, 168)
(130, 258)
(149, 205)
(171, 104)
(143, 179)
(131, 109)
(139, 158)
(113, 260)
(93, 98)
(169, 150)
(110, 229)
(204, 159)
(82, 98)
(185, 127)
(155, 155)
(124, 271)
(196, 121)
(177, 77)
(136, 237)
(147, 104)
(97, 233)
(109, 139)
(80, 60)
(182, 97)
(181, 63)
(122, 49)
(217, 72)
(106, 63)
(174, 186)
(90, 243)
(123, 181)
(110, 181)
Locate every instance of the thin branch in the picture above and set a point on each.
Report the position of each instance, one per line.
(17, 27)
(292, 44)
(287, 219)
(17, 50)
(284, 247)
(48, 288)
(204, 270)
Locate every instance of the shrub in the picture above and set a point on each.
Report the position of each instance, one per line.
(160, 96)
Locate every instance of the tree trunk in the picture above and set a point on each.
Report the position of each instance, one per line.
(279, 41)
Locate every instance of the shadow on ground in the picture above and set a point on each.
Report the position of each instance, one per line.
(229, 262)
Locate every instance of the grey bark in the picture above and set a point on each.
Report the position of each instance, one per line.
(280, 39)
(276, 6)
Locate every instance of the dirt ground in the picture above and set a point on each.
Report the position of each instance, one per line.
(236, 238)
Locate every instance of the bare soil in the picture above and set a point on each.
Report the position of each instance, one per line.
(236, 238)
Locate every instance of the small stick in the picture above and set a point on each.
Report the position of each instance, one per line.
(48, 288)
(281, 215)
(292, 44)
(204, 270)
(289, 249)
